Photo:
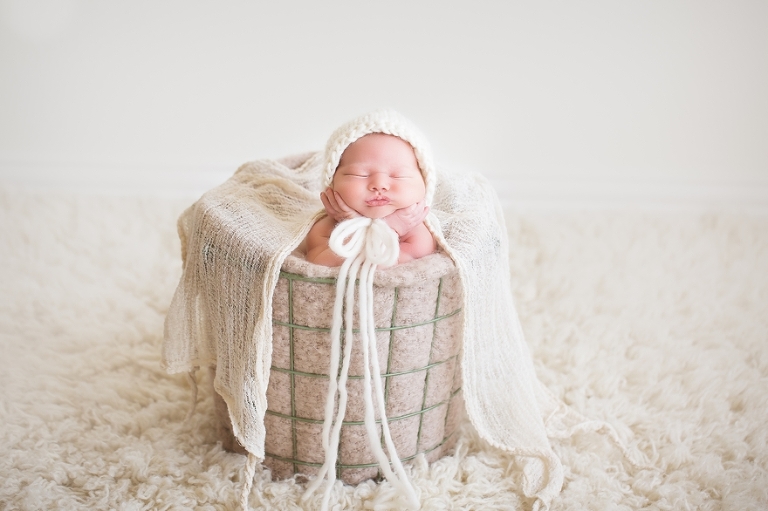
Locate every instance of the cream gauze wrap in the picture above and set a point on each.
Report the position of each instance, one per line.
(222, 317)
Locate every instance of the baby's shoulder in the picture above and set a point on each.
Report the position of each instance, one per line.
(319, 233)
(324, 226)
(420, 232)
(419, 242)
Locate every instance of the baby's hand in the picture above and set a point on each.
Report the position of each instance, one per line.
(404, 220)
(336, 207)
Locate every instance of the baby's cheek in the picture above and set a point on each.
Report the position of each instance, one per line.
(414, 194)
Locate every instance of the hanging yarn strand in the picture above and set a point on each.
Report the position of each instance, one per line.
(372, 371)
(332, 453)
(364, 244)
(348, 241)
(404, 483)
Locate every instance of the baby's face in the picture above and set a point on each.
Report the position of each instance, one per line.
(378, 174)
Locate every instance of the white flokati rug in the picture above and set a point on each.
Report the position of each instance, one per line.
(655, 322)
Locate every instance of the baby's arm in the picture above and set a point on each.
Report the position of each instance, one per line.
(415, 239)
(417, 243)
(318, 251)
(404, 220)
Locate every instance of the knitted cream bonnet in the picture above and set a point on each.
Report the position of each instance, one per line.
(385, 121)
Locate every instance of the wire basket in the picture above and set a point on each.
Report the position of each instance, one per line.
(417, 310)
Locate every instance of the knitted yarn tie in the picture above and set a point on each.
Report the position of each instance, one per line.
(364, 244)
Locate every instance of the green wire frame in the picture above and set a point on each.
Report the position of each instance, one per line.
(292, 373)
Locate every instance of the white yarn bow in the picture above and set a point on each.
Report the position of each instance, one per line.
(364, 244)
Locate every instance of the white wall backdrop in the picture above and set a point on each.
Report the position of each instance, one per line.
(557, 101)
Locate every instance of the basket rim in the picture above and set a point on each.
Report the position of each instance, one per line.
(429, 267)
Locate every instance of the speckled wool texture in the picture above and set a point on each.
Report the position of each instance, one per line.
(221, 312)
(404, 294)
(416, 285)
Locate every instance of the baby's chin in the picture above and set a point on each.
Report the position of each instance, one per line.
(377, 212)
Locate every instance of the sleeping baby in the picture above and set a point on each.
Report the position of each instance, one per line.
(377, 175)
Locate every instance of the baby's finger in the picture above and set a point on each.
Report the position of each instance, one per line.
(410, 210)
(419, 212)
(330, 208)
(423, 214)
(341, 204)
(329, 194)
(326, 203)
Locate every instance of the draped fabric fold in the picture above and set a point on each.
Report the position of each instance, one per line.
(234, 240)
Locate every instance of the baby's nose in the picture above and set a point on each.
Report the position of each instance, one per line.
(379, 181)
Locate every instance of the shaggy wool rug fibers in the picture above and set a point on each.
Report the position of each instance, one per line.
(654, 322)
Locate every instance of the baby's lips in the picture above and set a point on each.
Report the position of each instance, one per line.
(378, 201)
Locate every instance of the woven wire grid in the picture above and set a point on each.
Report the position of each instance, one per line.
(387, 375)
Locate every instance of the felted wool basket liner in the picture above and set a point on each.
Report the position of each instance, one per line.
(418, 318)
